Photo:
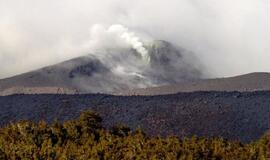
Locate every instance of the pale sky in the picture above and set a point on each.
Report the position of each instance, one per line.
(229, 37)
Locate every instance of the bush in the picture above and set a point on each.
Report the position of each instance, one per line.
(85, 138)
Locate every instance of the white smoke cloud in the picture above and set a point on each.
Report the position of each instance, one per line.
(229, 37)
(112, 46)
(131, 39)
(116, 36)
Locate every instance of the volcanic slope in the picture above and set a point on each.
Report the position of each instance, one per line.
(107, 71)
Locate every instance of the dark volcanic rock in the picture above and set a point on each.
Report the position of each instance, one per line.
(88, 69)
(233, 115)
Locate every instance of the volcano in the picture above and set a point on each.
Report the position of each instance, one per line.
(110, 70)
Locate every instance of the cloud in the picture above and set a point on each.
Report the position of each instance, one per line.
(229, 37)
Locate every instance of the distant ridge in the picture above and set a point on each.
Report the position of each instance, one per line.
(258, 81)
(37, 90)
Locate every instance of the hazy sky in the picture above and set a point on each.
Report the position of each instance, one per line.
(229, 37)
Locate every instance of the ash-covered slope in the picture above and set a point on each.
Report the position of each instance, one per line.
(244, 83)
(108, 71)
(233, 115)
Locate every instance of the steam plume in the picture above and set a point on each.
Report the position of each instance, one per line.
(117, 36)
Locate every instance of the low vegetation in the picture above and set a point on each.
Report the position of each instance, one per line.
(85, 138)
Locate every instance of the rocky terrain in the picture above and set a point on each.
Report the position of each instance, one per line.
(233, 115)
